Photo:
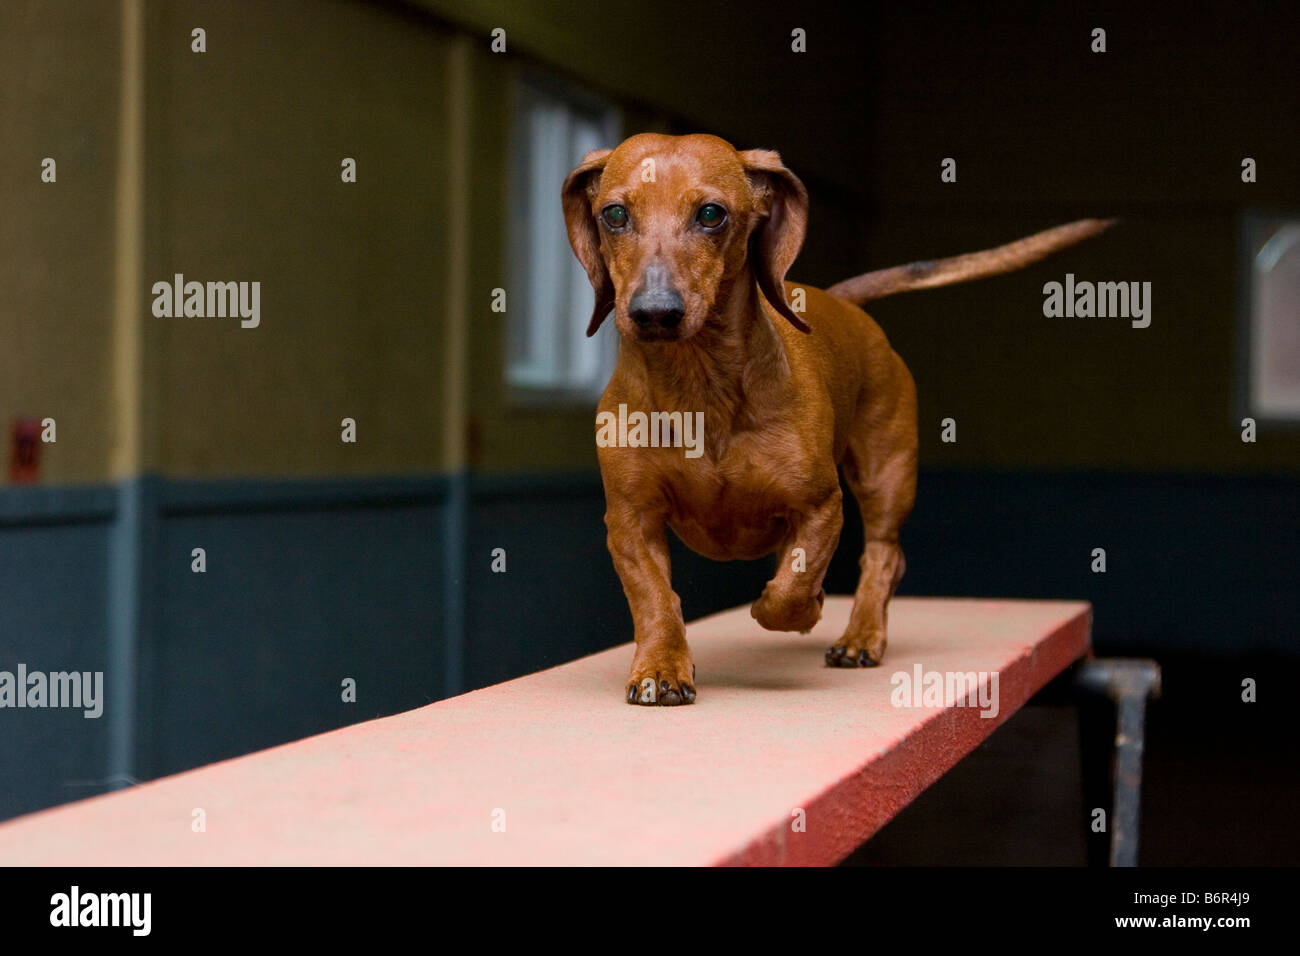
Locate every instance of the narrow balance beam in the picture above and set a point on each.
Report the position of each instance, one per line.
(781, 761)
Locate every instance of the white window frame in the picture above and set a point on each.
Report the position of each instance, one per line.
(549, 358)
(1265, 239)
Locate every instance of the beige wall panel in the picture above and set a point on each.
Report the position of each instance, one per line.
(245, 143)
(58, 98)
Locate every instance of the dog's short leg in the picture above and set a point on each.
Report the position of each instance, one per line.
(792, 600)
(885, 487)
(662, 670)
(863, 643)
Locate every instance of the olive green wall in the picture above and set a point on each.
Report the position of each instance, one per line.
(242, 151)
(721, 67)
(1044, 130)
(1152, 131)
(243, 145)
(57, 99)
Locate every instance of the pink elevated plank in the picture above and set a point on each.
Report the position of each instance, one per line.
(580, 777)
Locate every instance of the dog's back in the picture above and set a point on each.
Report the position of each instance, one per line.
(850, 355)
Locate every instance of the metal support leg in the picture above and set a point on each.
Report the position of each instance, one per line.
(1127, 682)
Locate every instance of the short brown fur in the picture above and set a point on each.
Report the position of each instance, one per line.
(788, 404)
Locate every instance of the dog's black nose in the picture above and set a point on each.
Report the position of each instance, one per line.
(660, 308)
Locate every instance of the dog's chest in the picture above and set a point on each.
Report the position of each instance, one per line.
(732, 507)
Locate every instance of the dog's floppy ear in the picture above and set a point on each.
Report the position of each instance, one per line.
(782, 201)
(580, 188)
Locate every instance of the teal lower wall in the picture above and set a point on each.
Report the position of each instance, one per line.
(294, 601)
(389, 582)
(53, 617)
(306, 584)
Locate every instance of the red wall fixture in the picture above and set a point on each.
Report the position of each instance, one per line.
(25, 451)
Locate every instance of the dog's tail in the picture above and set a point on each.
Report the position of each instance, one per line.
(972, 265)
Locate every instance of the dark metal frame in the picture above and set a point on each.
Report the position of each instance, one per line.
(1128, 683)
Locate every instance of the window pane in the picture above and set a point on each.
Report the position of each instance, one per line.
(548, 135)
(548, 349)
(1275, 318)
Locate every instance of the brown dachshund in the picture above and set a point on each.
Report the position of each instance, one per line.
(688, 242)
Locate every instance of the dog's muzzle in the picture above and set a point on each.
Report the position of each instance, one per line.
(656, 309)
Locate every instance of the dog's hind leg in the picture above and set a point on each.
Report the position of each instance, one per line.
(879, 467)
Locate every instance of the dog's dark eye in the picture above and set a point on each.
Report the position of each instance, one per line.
(711, 215)
(615, 216)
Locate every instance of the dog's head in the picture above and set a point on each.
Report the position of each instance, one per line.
(663, 223)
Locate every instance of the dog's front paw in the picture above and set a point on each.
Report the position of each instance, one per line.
(775, 611)
(666, 680)
(856, 652)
